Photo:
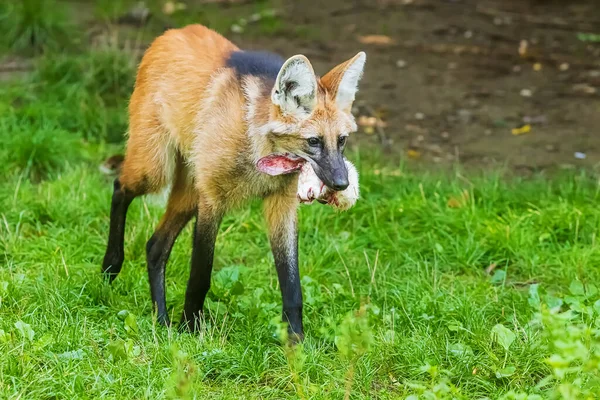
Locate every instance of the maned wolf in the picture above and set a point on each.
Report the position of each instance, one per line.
(220, 126)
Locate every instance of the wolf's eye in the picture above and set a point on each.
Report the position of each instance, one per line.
(314, 141)
(342, 140)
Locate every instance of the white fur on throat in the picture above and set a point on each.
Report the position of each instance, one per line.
(349, 83)
(295, 90)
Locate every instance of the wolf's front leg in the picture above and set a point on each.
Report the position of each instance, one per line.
(205, 235)
(280, 213)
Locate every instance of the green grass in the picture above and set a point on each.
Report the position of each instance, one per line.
(397, 300)
(417, 263)
(34, 26)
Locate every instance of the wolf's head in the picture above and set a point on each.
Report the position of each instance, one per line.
(310, 119)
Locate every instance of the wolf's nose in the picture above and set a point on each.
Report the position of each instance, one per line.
(340, 184)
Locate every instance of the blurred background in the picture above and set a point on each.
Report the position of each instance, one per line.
(485, 83)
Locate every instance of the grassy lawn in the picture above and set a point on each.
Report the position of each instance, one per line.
(413, 253)
(435, 286)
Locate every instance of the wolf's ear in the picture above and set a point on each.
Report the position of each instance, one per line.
(295, 90)
(342, 81)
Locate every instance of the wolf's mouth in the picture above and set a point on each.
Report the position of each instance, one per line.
(279, 164)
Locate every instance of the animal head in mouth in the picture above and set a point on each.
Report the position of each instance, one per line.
(310, 187)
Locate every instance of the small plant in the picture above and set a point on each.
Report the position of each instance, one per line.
(111, 10)
(353, 339)
(589, 37)
(184, 371)
(504, 337)
(575, 359)
(96, 84)
(571, 338)
(439, 387)
(37, 154)
(294, 355)
(105, 71)
(31, 26)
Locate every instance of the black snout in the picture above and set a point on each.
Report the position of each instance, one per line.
(331, 169)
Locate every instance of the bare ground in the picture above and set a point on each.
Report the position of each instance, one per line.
(449, 81)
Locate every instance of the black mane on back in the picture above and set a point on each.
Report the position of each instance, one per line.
(256, 63)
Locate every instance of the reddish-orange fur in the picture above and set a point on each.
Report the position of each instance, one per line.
(166, 116)
(197, 128)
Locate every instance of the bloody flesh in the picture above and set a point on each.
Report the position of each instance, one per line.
(278, 164)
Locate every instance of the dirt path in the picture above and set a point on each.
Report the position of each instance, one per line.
(452, 82)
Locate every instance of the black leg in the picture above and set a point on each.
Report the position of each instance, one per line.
(285, 253)
(283, 234)
(158, 250)
(205, 236)
(113, 259)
